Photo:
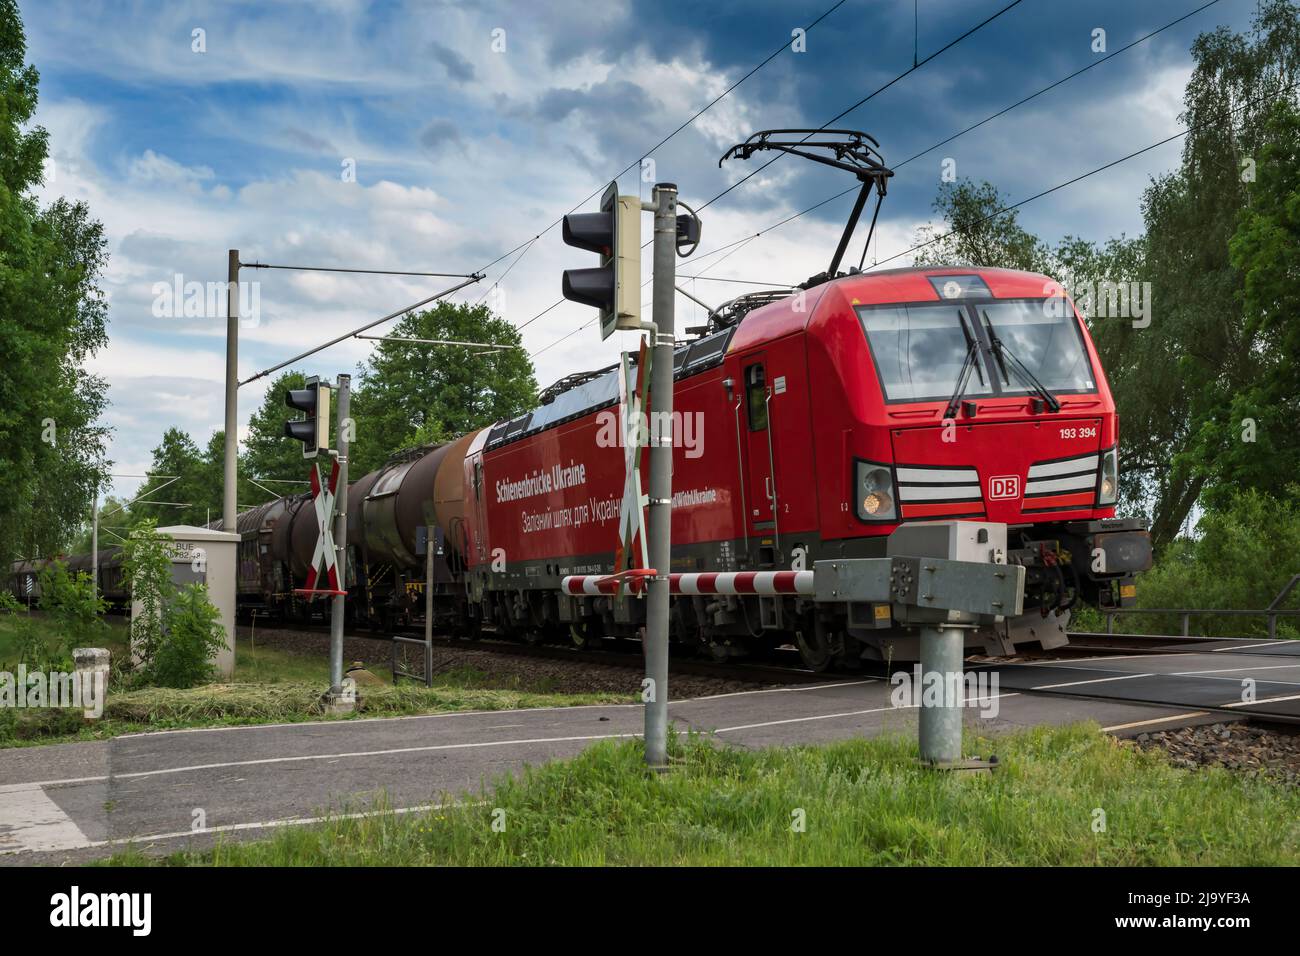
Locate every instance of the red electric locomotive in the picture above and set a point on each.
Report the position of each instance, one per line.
(810, 428)
(808, 425)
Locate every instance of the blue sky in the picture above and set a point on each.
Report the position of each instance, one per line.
(462, 150)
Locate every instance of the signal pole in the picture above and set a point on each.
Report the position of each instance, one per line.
(661, 474)
(340, 541)
(229, 506)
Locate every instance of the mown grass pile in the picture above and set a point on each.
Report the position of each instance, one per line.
(260, 703)
(218, 705)
(1069, 796)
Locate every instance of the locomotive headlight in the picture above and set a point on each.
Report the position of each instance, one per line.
(875, 492)
(876, 502)
(1108, 487)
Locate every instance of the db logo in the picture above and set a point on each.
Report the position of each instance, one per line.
(1004, 486)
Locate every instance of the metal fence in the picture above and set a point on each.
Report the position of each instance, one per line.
(1271, 613)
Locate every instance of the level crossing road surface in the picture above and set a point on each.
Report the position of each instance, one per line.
(1256, 678)
(76, 802)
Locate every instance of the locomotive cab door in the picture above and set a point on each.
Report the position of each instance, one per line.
(756, 442)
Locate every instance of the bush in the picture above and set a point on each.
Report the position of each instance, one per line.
(176, 633)
(70, 603)
(192, 635)
(147, 565)
(1244, 553)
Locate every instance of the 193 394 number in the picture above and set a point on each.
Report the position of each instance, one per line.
(1087, 431)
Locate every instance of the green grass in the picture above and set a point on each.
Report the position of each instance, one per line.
(275, 686)
(865, 802)
(115, 638)
(270, 665)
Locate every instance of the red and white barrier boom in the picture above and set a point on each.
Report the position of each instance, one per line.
(712, 582)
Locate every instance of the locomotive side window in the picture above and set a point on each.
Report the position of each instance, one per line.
(756, 397)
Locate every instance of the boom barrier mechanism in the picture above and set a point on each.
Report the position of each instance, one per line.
(939, 578)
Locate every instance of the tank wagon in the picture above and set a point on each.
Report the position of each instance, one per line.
(807, 426)
(24, 581)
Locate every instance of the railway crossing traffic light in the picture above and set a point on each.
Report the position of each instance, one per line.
(614, 287)
(313, 430)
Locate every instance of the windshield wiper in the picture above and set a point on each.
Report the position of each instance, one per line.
(970, 362)
(1002, 353)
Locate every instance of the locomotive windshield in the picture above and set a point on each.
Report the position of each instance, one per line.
(1044, 335)
(919, 350)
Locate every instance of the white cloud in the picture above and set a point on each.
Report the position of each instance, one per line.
(276, 194)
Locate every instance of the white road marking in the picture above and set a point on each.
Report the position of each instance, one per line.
(1233, 670)
(31, 821)
(850, 713)
(1066, 662)
(333, 756)
(1157, 720)
(1238, 647)
(1263, 700)
(363, 721)
(782, 690)
(1099, 680)
(271, 824)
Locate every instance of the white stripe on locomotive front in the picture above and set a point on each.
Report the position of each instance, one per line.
(1073, 483)
(952, 476)
(1046, 470)
(938, 492)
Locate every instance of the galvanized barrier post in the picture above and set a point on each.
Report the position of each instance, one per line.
(942, 654)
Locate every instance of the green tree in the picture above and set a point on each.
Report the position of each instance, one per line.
(972, 234)
(268, 454)
(1199, 332)
(52, 316)
(411, 394)
(177, 456)
(1243, 555)
(110, 517)
(1259, 436)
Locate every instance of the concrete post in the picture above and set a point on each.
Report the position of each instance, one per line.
(92, 666)
(940, 731)
(229, 506)
(661, 475)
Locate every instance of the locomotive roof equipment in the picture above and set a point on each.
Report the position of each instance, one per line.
(848, 149)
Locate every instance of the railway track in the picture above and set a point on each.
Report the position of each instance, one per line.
(1081, 670)
(621, 654)
(1087, 643)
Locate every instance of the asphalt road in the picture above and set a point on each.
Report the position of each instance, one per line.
(70, 803)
